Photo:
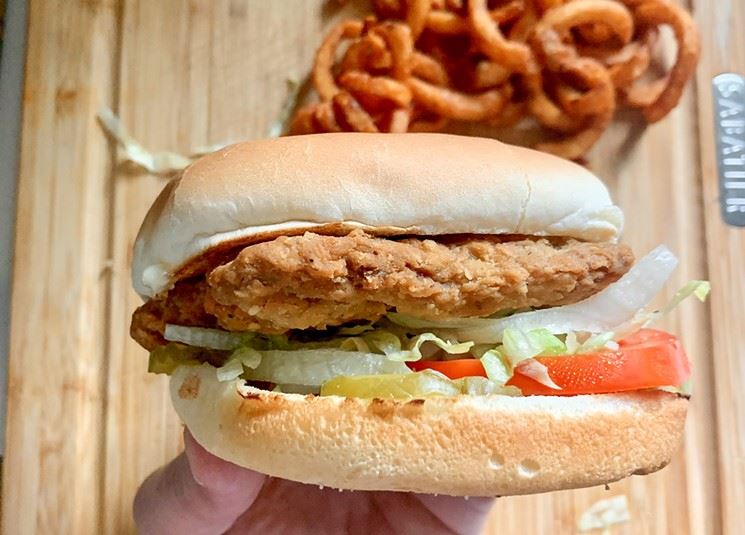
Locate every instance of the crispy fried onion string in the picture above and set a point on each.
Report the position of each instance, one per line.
(420, 64)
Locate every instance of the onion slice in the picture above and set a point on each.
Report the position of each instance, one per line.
(202, 337)
(604, 311)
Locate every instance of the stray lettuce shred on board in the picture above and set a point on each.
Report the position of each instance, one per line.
(166, 163)
(604, 513)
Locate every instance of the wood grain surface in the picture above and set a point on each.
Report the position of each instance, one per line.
(724, 51)
(86, 423)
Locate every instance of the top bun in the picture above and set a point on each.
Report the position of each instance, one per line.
(388, 184)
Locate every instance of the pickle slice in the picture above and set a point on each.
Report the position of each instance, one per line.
(313, 367)
(165, 359)
(391, 386)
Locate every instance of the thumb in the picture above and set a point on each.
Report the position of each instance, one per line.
(196, 493)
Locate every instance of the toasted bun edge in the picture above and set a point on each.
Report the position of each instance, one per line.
(420, 184)
(468, 446)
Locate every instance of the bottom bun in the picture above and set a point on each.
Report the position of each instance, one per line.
(468, 445)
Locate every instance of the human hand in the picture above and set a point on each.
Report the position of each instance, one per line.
(198, 493)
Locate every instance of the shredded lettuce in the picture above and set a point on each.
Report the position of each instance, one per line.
(597, 342)
(521, 345)
(414, 352)
(496, 369)
(356, 330)
(521, 348)
(518, 345)
(247, 356)
(571, 342)
(538, 372)
(397, 347)
(701, 289)
(384, 341)
(228, 341)
(698, 288)
(376, 350)
(240, 359)
(481, 386)
(685, 389)
(355, 343)
(232, 369)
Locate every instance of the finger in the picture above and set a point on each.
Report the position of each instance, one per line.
(461, 515)
(196, 493)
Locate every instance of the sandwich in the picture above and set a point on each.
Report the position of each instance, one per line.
(415, 312)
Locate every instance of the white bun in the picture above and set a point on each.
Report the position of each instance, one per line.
(387, 183)
(472, 446)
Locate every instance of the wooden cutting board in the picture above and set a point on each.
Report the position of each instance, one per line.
(86, 423)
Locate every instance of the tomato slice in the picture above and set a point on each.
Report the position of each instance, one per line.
(647, 359)
(454, 369)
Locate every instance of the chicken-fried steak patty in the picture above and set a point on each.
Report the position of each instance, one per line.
(315, 281)
(184, 305)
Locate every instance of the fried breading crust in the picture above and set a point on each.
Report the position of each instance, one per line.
(315, 281)
(184, 305)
